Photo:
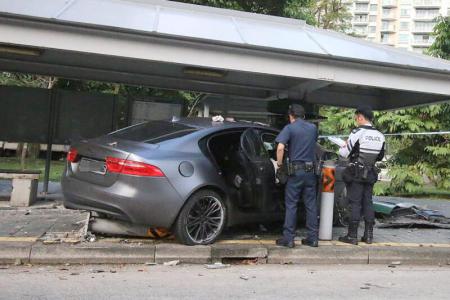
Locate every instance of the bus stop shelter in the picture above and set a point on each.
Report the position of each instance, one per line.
(178, 46)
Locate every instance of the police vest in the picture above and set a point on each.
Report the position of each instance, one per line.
(366, 145)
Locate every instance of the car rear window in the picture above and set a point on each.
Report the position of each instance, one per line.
(153, 132)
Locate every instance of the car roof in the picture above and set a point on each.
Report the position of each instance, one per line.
(206, 123)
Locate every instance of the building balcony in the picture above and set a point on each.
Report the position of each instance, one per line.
(389, 3)
(387, 29)
(360, 22)
(420, 42)
(361, 11)
(427, 3)
(362, 1)
(425, 18)
(423, 30)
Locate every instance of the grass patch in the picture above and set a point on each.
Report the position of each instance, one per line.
(56, 166)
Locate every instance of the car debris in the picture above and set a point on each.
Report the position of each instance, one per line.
(244, 277)
(408, 215)
(172, 263)
(90, 237)
(217, 265)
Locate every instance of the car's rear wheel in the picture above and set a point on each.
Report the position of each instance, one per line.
(202, 219)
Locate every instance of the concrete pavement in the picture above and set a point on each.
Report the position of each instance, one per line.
(46, 233)
(235, 282)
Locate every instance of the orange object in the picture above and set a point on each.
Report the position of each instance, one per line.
(328, 180)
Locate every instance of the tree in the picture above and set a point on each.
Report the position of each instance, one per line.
(268, 7)
(441, 45)
(332, 14)
(411, 157)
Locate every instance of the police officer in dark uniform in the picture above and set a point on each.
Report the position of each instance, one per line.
(300, 137)
(364, 147)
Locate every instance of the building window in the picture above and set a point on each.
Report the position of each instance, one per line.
(427, 13)
(372, 29)
(360, 18)
(404, 12)
(372, 18)
(403, 38)
(404, 26)
(386, 12)
(385, 37)
(424, 26)
(373, 7)
(361, 7)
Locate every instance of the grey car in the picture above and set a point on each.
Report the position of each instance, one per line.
(192, 176)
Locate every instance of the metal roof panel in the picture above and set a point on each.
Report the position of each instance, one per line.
(168, 18)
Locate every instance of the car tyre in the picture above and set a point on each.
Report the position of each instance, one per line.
(202, 219)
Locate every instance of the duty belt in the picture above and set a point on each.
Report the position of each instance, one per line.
(301, 166)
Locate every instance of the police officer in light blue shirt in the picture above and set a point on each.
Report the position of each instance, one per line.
(300, 138)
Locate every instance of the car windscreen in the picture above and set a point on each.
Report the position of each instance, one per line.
(153, 132)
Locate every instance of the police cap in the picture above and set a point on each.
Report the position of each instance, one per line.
(365, 111)
(296, 110)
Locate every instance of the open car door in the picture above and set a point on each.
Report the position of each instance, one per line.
(260, 179)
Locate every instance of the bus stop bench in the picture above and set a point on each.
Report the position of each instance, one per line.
(24, 184)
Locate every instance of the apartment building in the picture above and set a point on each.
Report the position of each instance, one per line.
(406, 24)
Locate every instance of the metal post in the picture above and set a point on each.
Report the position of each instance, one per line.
(50, 133)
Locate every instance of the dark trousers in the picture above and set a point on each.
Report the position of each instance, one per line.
(301, 184)
(359, 196)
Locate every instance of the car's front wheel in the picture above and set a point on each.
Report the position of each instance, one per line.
(202, 219)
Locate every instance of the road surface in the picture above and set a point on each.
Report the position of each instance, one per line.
(235, 282)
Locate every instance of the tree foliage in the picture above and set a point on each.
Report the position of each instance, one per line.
(441, 32)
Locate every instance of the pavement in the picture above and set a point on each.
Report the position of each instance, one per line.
(46, 233)
(232, 282)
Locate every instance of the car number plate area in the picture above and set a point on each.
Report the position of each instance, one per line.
(93, 166)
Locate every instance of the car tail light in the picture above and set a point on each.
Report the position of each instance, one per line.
(129, 167)
(72, 155)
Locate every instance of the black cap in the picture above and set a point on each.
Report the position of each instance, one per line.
(296, 110)
(365, 111)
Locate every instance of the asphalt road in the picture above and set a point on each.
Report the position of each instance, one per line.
(235, 282)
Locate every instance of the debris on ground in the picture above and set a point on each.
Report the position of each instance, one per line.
(74, 274)
(396, 263)
(150, 263)
(399, 215)
(97, 271)
(90, 237)
(244, 277)
(172, 263)
(18, 262)
(217, 265)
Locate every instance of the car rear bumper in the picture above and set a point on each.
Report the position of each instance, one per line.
(139, 200)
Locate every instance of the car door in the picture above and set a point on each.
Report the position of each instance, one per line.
(261, 175)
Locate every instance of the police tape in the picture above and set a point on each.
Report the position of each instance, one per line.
(394, 134)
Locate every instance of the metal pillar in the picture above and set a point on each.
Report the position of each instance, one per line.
(50, 134)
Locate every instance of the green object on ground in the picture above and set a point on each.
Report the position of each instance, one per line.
(384, 208)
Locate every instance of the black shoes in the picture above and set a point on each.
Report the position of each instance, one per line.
(285, 243)
(352, 235)
(368, 233)
(291, 244)
(310, 243)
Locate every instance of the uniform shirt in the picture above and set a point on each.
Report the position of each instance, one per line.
(365, 139)
(301, 138)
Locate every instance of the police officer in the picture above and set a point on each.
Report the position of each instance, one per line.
(300, 137)
(364, 147)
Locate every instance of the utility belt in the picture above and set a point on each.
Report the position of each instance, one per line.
(293, 167)
(357, 171)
